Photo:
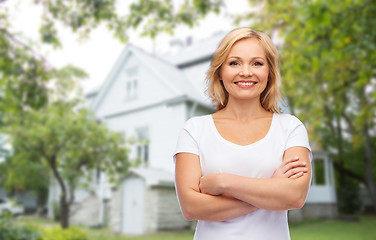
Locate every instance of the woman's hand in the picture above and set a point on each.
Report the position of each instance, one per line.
(291, 168)
(212, 183)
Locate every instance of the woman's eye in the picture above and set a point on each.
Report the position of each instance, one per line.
(258, 64)
(234, 64)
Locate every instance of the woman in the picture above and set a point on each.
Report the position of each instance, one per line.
(240, 169)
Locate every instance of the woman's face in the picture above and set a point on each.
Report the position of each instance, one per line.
(245, 71)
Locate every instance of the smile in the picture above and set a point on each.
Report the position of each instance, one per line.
(245, 84)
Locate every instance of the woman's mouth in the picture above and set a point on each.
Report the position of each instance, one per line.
(245, 84)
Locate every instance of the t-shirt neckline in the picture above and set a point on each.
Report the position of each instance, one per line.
(219, 136)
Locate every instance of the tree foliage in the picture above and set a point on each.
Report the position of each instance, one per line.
(150, 16)
(20, 173)
(328, 58)
(72, 144)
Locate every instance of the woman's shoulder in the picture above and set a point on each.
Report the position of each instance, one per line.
(288, 120)
(197, 122)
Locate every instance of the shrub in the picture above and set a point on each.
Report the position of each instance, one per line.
(10, 231)
(57, 233)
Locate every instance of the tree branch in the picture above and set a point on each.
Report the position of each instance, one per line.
(350, 173)
(24, 45)
(52, 164)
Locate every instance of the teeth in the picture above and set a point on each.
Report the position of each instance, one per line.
(245, 83)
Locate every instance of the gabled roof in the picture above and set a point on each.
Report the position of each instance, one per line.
(165, 72)
(171, 75)
(198, 52)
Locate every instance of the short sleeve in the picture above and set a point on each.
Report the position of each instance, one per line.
(186, 142)
(298, 136)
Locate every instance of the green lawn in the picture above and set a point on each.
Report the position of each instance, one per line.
(106, 235)
(364, 229)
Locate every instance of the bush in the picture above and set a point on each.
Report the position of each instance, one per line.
(10, 231)
(57, 233)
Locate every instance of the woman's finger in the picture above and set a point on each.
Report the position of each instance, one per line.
(291, 160)
(284, 167)
(293, 165)
(294, 159)
(296, 170)
(296, 175)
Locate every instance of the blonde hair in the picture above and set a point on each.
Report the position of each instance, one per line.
(215, 90)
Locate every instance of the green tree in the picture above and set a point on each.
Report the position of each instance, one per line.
(328, 58)
(72, 144)
(19, 171)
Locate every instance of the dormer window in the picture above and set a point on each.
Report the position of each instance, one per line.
(131, 83)
(143, 145)
(131, 88)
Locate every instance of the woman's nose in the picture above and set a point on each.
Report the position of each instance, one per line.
(245, 71)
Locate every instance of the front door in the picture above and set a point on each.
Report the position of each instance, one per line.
(133, 206)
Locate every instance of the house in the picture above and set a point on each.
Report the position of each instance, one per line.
(149, 99)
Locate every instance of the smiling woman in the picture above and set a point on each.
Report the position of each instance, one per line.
(240, 169)
(244, 74)
(262, 54)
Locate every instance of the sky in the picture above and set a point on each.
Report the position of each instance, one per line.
(98, 54)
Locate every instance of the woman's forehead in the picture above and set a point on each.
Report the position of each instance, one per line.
(249, 47)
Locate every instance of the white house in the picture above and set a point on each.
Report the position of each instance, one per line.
(150, 98)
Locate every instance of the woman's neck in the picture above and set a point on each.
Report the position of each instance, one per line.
(243, 110)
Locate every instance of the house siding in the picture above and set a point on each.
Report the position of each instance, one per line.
(162, 210)
(169, 214)
(151, 210)
(115, 209)
(163, 122)
(88, 215)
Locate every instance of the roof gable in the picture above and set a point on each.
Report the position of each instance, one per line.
(162, 76)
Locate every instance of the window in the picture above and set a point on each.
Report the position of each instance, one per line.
(131, 88)
(135, 85)
(319, 171)
(131, 82)
(143, 145)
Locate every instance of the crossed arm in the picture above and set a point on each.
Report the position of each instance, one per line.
(220, 197)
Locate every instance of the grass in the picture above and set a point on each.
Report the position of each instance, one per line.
(364, 229)
(107, 235)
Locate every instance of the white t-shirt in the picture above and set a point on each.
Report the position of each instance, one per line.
(257, 160)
